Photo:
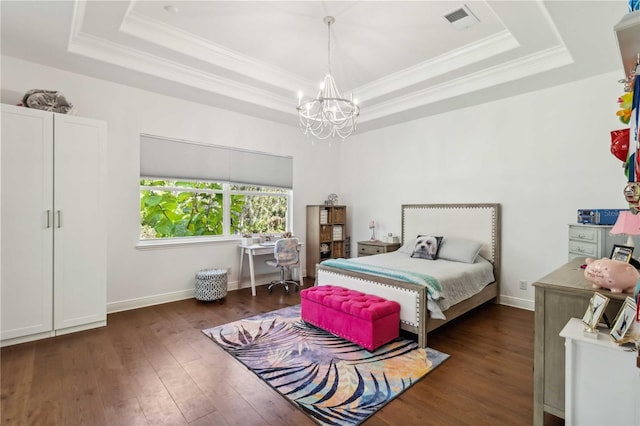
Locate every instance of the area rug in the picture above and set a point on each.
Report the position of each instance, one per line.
(335, 382)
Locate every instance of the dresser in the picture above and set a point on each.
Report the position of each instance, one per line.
(595, 241)
(368, 248)
(559, 296)
(602, 382)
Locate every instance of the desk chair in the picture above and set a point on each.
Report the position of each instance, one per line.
(285, 255)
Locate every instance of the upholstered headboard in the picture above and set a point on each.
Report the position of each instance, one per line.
(478, 222)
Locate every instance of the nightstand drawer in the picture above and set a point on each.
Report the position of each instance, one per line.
(584, 234)
(366, 249)
(583, 249)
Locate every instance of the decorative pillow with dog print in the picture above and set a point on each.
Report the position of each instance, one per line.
(426, 247)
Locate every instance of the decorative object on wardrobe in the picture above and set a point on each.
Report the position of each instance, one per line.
(329, 114)
(47, 100)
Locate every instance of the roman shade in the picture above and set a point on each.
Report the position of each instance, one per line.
(178, 159)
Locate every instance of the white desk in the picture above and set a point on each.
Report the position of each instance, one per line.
(250, 251)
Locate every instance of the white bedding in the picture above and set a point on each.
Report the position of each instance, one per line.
(458, 280)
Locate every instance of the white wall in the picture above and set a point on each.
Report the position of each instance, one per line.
(541, 155)
(144, 276)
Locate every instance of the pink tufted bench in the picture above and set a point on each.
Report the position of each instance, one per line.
(364, 319)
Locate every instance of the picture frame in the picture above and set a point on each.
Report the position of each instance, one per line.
(624, 319)
(621, 253)
(595, 310)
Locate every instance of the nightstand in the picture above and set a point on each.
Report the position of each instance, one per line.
(368, 248)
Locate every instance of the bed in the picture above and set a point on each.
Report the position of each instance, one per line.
(478, 223)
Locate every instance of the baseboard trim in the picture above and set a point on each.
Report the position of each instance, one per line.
(83, 327)
(143, 302)
(158, 299)
(517, 302)
(25, 339)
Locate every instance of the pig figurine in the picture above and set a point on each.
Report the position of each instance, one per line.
(615, 275)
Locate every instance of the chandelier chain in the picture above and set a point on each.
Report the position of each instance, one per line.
(329, 47)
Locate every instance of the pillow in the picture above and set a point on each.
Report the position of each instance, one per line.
(459, 250)
(408, 247)
(426, 247)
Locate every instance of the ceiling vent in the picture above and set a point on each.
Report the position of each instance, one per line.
(462, 18)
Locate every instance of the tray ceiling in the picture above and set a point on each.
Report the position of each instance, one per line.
(401, 60)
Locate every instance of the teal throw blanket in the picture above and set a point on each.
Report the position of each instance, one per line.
(434, 290)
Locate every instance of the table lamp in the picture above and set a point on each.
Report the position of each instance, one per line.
(629, 224)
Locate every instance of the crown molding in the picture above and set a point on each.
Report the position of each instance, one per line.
(182, 42)
(77, 20)
(538, 62)
(443, 64)
(133, 59)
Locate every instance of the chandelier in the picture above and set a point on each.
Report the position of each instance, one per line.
(329, 114)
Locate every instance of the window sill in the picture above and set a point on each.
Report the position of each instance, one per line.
(186, 241)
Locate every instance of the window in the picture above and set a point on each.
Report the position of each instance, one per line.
(259, 209)
(194, 190)
(172, 209)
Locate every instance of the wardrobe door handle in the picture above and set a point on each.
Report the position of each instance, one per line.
(48, 219)
(59, 213)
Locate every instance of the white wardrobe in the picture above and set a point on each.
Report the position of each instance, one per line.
(53, 224)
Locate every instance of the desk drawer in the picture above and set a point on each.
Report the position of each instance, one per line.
(584, 234)
(583, 249)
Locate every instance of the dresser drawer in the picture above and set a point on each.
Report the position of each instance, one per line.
(584, 234)
(583, 249)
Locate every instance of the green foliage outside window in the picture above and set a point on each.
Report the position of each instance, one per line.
(261, 213)
(186, 209)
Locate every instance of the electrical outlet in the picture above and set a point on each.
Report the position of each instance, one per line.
(523, 284)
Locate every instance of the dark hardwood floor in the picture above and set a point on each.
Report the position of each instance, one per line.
(153, 366)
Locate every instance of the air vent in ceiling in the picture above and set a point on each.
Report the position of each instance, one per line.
(462, 18)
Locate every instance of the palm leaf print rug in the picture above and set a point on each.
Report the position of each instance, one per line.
(333, 381)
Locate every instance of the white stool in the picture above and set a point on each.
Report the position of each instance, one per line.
(211, 284)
